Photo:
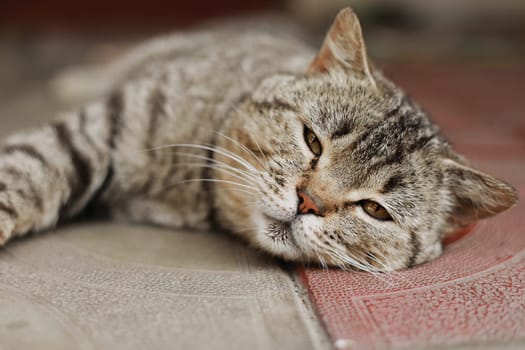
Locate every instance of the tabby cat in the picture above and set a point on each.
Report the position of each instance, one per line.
(308, 157)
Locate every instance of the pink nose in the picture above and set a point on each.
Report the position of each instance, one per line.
(306, 204)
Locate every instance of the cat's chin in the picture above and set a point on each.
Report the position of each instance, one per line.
(277, 237)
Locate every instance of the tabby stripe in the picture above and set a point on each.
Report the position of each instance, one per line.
(28, 150)
(94, 206)
(83, 131)
(416, 247)
(274, 104)
(81, 177)
(404, 99)
(9, 210)
(157, 103)
(420, 143)
(393, 182)
(115, 107)
(3, 186)
(409, 122)
(16, 173)
(33, 194)
(82, 120)
(208, 187)
(207, 172)
(370, 132)
(371, 128)
(344, 125)
(343, 130)
(395, 157)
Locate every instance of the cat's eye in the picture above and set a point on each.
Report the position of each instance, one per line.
(313, 142)
(375, 210)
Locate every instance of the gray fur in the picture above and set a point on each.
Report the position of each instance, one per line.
(206, 129)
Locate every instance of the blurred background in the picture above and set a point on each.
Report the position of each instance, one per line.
(462, 28)
(413, 40)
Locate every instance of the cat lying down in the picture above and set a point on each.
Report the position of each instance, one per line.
(308, 156)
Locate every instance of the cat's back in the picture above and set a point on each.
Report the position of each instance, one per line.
(211, 59)
(217, 57)
(178, 89)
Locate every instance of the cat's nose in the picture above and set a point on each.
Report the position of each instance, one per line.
(307, 204)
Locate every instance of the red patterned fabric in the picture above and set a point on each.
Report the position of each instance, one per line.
(475, 292)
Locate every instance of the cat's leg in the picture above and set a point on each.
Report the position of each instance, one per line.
(53, 171)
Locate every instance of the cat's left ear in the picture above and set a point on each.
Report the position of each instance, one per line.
(475, 195)
(343, 48)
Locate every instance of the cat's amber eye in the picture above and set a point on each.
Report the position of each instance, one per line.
(313, 142)
(375, 210)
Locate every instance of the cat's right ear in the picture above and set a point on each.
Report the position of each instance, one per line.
(343, 48)
(475, 195)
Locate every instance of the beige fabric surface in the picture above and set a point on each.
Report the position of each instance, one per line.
(117, 286)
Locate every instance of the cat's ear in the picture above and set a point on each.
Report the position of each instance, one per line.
(475, 195)
(343, 48)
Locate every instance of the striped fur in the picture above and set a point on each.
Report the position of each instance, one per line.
(206, 129)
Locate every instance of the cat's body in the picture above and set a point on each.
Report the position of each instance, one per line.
(174, 90)
(182, 94)
(208, 129)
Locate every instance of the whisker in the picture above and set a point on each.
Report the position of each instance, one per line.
(392, 274)
(215, 161)
(216, 167)
(343, 258)
(243, 147)
(261, 151)
(369, 268)
(237, 109)
(218, 181)
(377, 260)
(235, 189)
(321, 261)
(218, 150)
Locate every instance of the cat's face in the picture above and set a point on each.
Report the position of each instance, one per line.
(349, 172)
(351, 177)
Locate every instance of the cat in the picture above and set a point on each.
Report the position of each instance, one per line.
(307, 156)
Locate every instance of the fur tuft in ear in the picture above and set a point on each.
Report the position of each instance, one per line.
(476, 195)
(343, 48)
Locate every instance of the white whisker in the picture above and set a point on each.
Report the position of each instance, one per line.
(261, 151)
(215, 161)
(217, 167)
(237, 109)
(218, 150)
(218, 181)
(235, 189)
(243, 147)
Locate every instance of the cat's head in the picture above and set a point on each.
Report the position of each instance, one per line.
(346, 170)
